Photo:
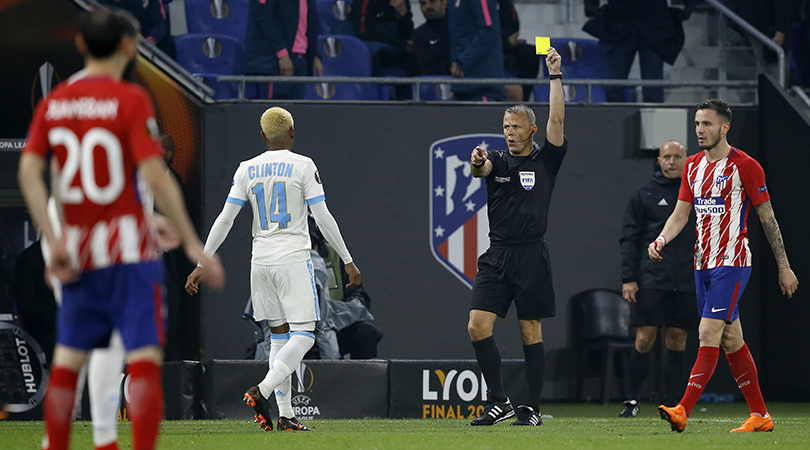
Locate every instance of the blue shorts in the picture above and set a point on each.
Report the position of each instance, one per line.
(127, 297)
(718, 291)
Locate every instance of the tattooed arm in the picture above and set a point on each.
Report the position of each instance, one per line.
(787, 279)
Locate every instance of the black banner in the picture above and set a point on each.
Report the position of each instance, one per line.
(321, 389)
(447, 389)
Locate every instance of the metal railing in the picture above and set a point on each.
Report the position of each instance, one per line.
(799, 92)
(156, 56)
(750, 29)
(418, 81)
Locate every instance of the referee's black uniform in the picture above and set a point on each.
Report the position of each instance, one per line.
(516, 265)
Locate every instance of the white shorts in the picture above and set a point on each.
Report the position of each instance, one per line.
(284, 294)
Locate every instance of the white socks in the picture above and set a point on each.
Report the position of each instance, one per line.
(104, 382)
(283, 398)
(282, 363)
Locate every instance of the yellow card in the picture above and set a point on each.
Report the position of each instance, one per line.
(541, 45)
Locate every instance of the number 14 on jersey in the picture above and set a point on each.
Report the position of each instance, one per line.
(278, 202)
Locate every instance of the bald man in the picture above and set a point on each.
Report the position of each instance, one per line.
(663, 295)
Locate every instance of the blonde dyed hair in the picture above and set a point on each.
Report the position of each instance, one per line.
(276, 122)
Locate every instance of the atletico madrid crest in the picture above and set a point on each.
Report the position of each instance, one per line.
(459, 229)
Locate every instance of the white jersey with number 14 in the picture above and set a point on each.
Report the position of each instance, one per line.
(279, 185)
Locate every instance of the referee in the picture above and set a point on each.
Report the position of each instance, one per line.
(516, 266)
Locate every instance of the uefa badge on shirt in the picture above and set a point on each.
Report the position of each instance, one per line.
(527, 180)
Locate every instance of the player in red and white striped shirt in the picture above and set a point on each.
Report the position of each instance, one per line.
(722, 183)
(102, 134)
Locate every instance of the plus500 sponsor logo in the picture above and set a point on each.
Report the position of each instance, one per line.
(710, 205)
(449, 390)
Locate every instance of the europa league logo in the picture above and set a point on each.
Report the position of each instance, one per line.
(45, 79)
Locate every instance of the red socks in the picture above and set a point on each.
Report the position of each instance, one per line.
(702, 371)
(110, 446)
(146, 403)
(745, 374)
(58, 408)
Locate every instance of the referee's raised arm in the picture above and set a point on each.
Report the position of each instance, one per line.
(556, 105)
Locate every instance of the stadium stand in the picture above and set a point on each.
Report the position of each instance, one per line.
(209, 55)
(343, 56)
(227, 17)
(435, 92)
(582, 59)
(332, 13)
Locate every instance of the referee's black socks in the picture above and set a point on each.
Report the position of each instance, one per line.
(489, 360)
(535, 368)
(639, 366)
(674, 376)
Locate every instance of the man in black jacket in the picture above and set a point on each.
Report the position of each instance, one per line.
(386, 26)
(282, 39)
(663, 293)
(518, 56)
(647, 27)
(432, 39)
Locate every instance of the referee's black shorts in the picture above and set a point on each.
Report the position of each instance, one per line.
(663, 308)
(520, 273)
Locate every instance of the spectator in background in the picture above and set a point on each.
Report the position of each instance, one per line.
(386, 26)
(647, 27)
(800, 59)
(475, 48)
(519, 56)
(154, 24)
(779, 20)
(282, 39)
(432, 39)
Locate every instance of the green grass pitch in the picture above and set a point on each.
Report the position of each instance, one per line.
(573, 426)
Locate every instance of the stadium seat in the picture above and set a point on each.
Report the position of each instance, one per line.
(343, 56)
(209, 55)
(331, 13)
(227, 17)
(581, 59)
(435, 92)
(601, 320)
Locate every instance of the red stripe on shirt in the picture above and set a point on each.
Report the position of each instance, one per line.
(363, 17)
(487, 18)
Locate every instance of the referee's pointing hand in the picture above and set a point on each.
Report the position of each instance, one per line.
(478, 156)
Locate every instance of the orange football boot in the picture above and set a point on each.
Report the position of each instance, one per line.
(755, 423)
(676, 416)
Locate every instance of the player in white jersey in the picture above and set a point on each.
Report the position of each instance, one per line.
(279, 185)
